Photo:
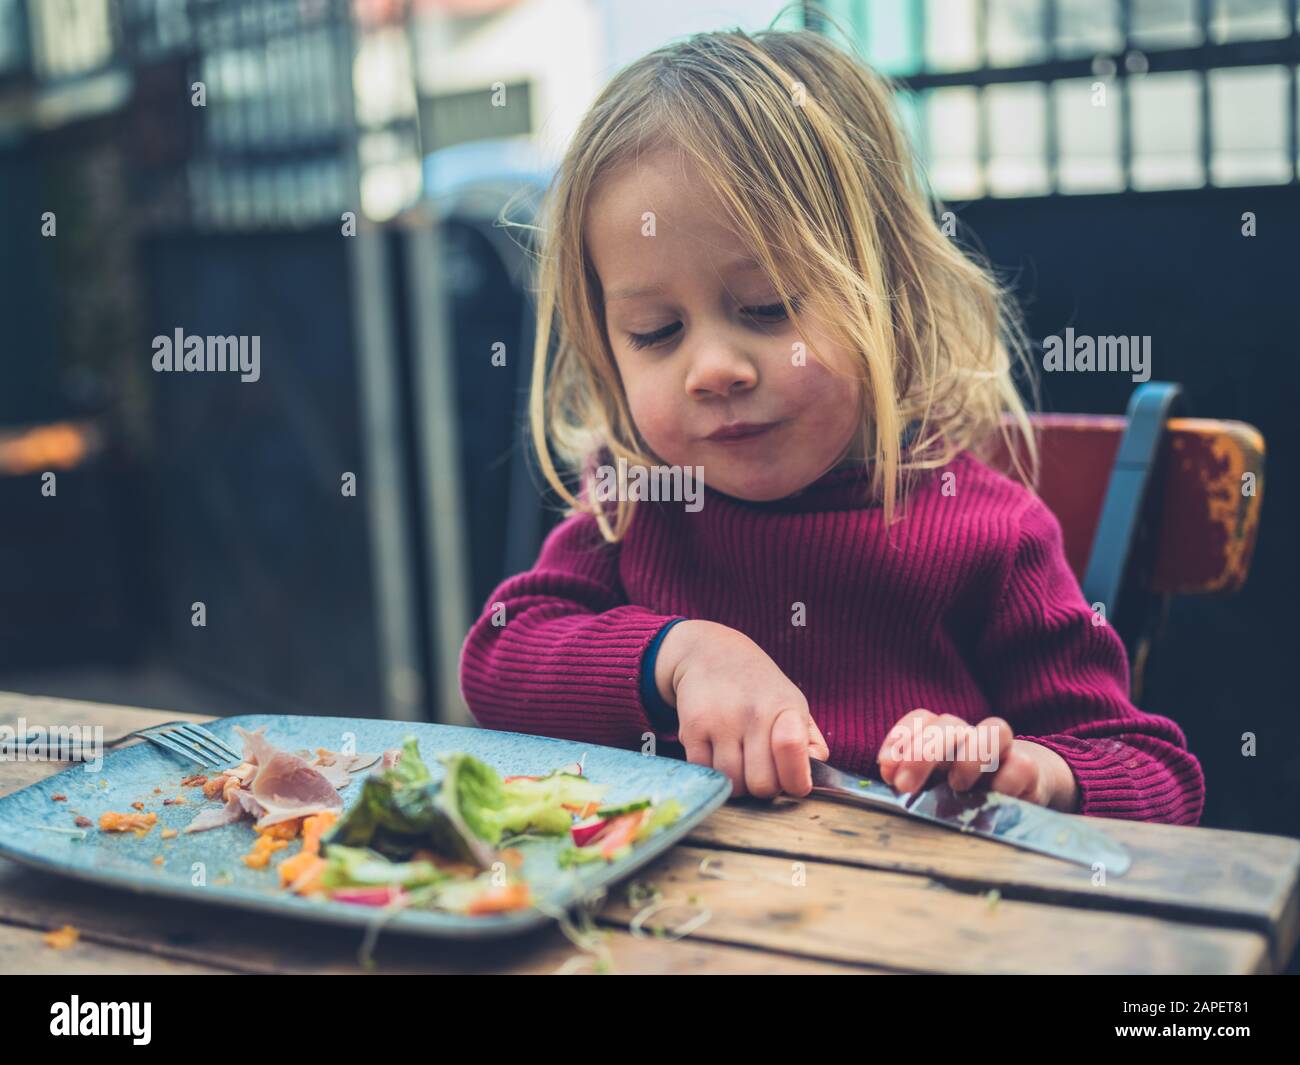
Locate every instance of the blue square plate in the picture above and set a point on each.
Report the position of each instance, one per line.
(206, 865)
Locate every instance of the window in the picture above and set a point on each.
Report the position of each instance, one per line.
(1033, 97)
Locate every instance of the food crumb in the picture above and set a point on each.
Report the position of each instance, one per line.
(169, 833)
(260, 855)
(115, 822)
(82, 821)
(58, 796)
(178, 801)
(61, 938)
(157, 791)
(137, 806)
(195, 781)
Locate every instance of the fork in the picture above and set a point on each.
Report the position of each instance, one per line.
(188, 740)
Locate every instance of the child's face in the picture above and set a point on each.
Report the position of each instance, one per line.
(702, 341)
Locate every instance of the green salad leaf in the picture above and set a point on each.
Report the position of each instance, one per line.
(460, 814)
(362, 867)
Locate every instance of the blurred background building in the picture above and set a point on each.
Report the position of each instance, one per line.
(194, 164)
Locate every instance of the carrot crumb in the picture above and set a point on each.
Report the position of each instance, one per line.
(137, 806)
(158, 860)
(61, 938)
(260, 855)
(178, 801)
(58, 797)
(115, 822)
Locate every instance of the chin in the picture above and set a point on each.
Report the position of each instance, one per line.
(761, 486)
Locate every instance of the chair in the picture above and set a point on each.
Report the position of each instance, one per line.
(1152, 505)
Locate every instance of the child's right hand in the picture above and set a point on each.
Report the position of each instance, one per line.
(737, 711)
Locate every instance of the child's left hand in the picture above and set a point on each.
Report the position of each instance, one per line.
(1025, 770)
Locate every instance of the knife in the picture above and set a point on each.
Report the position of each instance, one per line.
(985, 813)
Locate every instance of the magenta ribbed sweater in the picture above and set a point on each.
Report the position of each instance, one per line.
(971, 610)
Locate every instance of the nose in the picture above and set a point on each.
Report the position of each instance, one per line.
(719, 369)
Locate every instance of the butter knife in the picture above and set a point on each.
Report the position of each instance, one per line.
(985, 813)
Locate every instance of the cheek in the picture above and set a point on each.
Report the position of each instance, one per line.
(834, 398)
(653, 410)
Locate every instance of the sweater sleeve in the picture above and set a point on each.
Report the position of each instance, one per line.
(1062, 681)
(558, 650)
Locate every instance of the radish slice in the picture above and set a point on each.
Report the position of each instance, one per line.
(590, 830)
(369, 896)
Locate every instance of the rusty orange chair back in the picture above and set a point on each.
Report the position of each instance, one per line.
(1151, 506)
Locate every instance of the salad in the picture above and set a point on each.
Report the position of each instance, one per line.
(443, 838)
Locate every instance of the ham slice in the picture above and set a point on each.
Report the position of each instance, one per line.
(271, 785)
(285, 785)
(216, 816)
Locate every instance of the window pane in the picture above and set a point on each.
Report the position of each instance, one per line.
(1016, 32)
(910, 110)
(1248, 108)
(951, 134)
(1166, 131)
(951, 41)
(1017, 125)
(1088, 135)
(1165, 23)
(1243, 20)
(1087, 27)
(888, 30)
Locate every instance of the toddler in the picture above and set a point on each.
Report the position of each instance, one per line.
(742, 280)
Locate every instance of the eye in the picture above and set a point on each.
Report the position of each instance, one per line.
(646, 340)
(770, 312)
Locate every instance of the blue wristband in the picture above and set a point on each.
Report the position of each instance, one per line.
(662, 716)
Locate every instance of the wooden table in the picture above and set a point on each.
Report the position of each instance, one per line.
(807, 886)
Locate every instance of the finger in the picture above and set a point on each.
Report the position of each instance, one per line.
(1017, 776)
(760, 769)
(790, 749)
(727, 758)
(914, 768)
(897, 747)
(817, 746)
(698, 752)
(974, 748)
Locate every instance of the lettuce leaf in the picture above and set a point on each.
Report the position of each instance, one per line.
(362, 867)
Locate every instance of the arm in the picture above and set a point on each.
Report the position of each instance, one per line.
(558, 650)
(1062, 681)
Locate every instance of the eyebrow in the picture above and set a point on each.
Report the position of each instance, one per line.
(744, 265)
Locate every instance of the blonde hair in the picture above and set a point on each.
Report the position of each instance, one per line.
(802, 146)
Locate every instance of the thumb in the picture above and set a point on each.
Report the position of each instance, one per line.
(817, 747)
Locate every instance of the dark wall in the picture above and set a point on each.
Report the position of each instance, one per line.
(247, 512)
(1220, 309)
(29, 389)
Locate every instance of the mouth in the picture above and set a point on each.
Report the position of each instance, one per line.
(737, 431)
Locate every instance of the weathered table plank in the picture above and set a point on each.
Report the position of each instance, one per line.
(113, 923)
(1208, 876)
(897, 920)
